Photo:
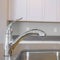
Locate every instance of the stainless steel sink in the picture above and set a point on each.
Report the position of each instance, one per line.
(39, 51)
(38, 55)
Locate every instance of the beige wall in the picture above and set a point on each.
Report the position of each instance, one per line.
(1, 52)
(3, 19)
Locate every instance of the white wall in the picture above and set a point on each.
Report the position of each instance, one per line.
(3, 19)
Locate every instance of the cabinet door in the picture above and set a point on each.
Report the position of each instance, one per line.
(17, 9)
(34, 10)
(58, 11)
(50, 10)
(42, 10)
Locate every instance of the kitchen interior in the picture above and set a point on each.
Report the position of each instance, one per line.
(30, 30)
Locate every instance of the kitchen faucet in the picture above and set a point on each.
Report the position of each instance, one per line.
(8, 40)
(10, 45)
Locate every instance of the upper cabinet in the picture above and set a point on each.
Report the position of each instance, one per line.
(50, 10)
(17, 9)
(58, 11)
(35, 10)
(42, 10)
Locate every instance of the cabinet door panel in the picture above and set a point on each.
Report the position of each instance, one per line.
(50, 10)
(34, 8)
(58, 10)
(17, 9)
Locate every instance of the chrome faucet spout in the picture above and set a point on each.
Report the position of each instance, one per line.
(8, 40)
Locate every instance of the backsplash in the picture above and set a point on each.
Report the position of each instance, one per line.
(51, 29)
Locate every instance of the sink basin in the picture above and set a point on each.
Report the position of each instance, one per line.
(38, 55)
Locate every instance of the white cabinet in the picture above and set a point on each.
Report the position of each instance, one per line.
(42, 10)
(58, 10)
(50, 9)
(35, 10)
(17, 9)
